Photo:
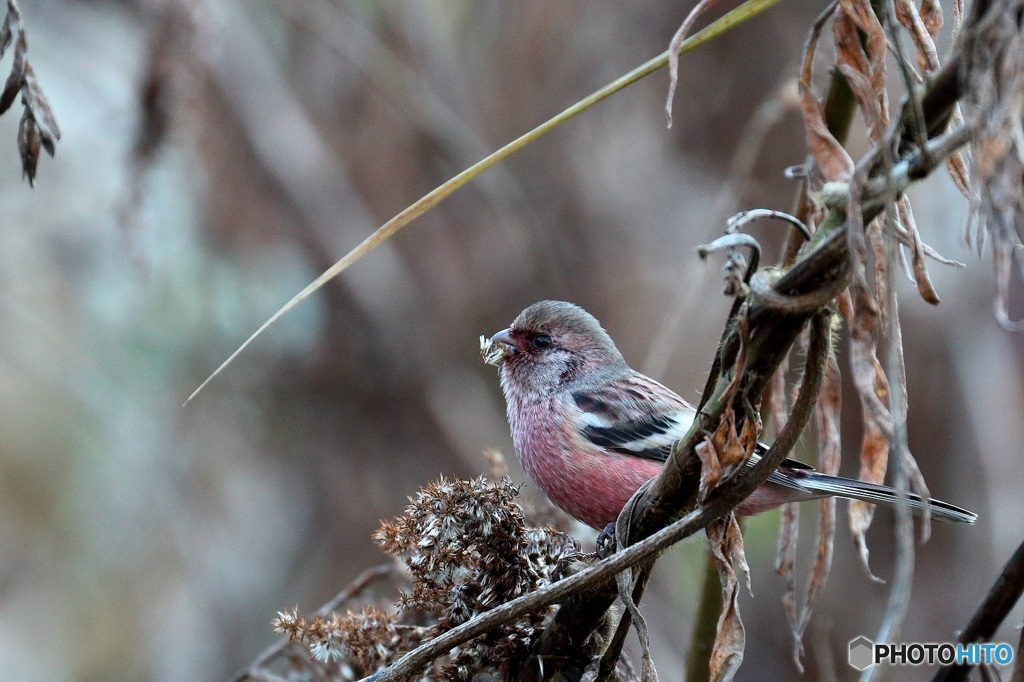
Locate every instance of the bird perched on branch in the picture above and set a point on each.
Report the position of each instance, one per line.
(590, 431)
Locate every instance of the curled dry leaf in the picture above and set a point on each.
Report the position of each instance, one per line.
(850, 49)
(1002, 257)
(826, 417)
(724, 452)
(924, 282)
(830, 450)
(875, 43)
(29, 141)
(785, 563)
(867, 100)
(38, 104)
(17, 76)
(11, 20)
(957, 168)
(673, 53)
(931, 15)
(710, 468)
(861, 316)
(861, 294)
(863, 70)
(833, 160)
(910, 19)
(726, 544)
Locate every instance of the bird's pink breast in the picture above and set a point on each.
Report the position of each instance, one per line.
(587, 483)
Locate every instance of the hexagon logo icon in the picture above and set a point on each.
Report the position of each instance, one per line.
(862, 653)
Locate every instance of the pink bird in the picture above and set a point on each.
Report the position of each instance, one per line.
(589, 430)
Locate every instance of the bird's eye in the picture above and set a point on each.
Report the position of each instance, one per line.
(541, 341)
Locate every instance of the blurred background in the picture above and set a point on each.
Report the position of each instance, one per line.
(217, 156)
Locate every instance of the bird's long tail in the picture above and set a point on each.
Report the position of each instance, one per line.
(821, 484)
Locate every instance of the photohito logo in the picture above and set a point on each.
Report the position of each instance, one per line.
(864, 653)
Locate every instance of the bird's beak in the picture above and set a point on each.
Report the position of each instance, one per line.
(497, 349)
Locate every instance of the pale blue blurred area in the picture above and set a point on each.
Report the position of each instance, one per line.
(140, 540)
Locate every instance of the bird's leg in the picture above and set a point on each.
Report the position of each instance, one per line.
(605, 544)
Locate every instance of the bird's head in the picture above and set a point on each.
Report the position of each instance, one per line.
(552, 346)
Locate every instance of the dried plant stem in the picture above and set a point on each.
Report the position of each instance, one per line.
(998, 603)
(903, 574)
(741, 14)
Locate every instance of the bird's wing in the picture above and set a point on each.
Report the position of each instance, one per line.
(638, 416)
(633, 416)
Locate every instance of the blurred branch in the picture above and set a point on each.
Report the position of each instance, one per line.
(741, 14)
(998, 603)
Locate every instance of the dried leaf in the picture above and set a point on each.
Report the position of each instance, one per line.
(827, 413)
(35, 99)
(830, 451)
(924, 283)
(29, 141)
(710, 468)
(875, 42)
(17, 75)
(725, 451)
(867, 101)
(673, 53)
(931, 15)
(877, 303)
(861, 317)
(7, 31)
(851, 52)
(811, 44)
(785, 562)
(1002, 259)
(835, 163)
(957, 168)
(909, 18)
(726, 543)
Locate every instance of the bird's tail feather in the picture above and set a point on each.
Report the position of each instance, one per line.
(818, 483)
